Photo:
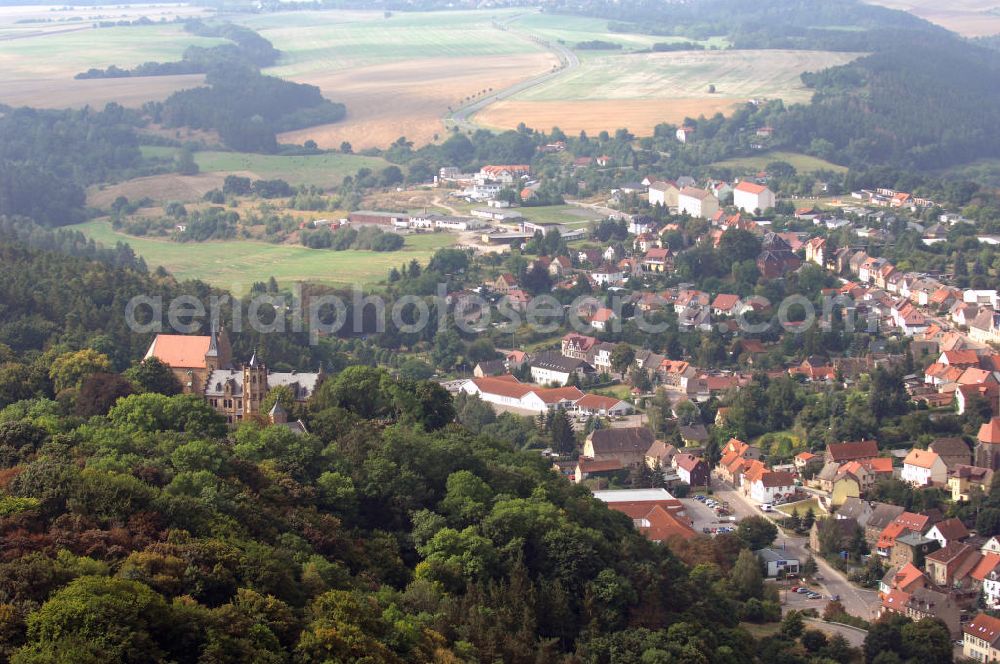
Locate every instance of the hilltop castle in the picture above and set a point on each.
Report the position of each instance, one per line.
(203, 365)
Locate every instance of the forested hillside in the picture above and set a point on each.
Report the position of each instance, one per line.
(924, 98)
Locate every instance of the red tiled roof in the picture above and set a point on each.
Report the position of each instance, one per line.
(750, 187)
(180, 351)
(952, 529)
(986, 564)
(990, 431)
(664, 525)
(907, 575)
(597, 402)
(725, 301)
(896, 600)
(772, 479)
(598, 465)
(921, 458)
(853, 450)
(984, 627)
(557, 394)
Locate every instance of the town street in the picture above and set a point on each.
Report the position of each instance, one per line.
(860, 602)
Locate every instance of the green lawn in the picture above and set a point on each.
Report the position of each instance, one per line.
(318, 41)
(802, 506)
(564, 214)
(323, 170)
(802, 162)
(236, 264)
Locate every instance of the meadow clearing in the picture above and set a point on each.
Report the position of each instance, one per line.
(641, 90)
(803, 163)
(37, 70)
(236, 264)
(971, 18)
(323, 170)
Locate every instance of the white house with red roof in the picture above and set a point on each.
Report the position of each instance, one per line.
(771, 485)
(727, 304)
(924, 468)
(508, 391)
(596, 404)
(750, 196)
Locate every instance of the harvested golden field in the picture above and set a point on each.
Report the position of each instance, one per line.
(972, 18)
(386, 101)
(37, 69)
(639, 116)
(640, 90)
(159, 188)
(63, 92)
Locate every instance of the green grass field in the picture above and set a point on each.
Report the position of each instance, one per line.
(803, 163)
(315, 41)
(687, 74)
(324, 170)
(236, 264)
(574, 29)
(802, 506)
(69, 53)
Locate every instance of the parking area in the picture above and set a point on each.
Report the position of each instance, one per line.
(703, 516)
(814, 596)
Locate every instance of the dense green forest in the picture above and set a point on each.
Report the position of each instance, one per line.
(47, 157)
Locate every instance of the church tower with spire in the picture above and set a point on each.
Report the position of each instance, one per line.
(254, 385)
(220, 353)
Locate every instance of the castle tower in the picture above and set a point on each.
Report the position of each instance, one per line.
(254, 385)
(278, 414)
(220, 353)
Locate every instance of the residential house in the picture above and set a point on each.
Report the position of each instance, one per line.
(951, 565)
(607, 275)
(549, 368)
(987, 573)
(911, 549)
(805, 460)
(660, 454)
(603, 318)
(985, 327)
(489, 368)
(726, 304)
(505, 283)
(953, 451)
(948, 531)
(776, 257)
(628, 444)
(906, 578)
(927, 603)
(855, 508)
(657, 260)
(816, 251)
(750, 197)
(882, 515)
(981, 639)
(697, 203)
(851, 451)
(577, 345)
(693, 435)
(587, 468)
(771, 486)
(601, 406)
(924, 468)
(964, 481)
(691, 469)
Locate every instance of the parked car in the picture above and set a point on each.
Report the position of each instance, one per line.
(803, 591)
(795, 589)
(834, 598)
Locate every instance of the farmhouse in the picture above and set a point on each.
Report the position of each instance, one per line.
(749, 197)
(697, 202)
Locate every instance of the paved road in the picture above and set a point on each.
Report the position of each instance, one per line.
(854, 635)
(859, 602)
(462, 117)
